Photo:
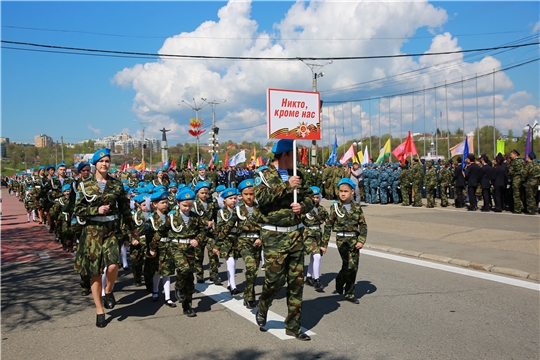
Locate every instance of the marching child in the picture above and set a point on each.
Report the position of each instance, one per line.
(29, 204)
(226, 239)
(348, 222)
(137, 247)
(313, 240)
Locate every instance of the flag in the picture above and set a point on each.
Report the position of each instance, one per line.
(366, 158)
(226, 162)
(189, 163)
(264, 161)
(333, 156)
(348, 155)
(173, 164)
(528, 143)
(166, 165)
(253, 157)
(458, 149)
(304, 156)
(359, 156)
(384, 152)
(182, 161)
(259, 161)
(141, 166)
(238, 158)
(500, 147)
(211, 164)
(465, 152)
(405, 149)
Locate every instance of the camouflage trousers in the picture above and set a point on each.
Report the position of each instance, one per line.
(137, 254)
(65, 232)
(213, 259)
(406, 194)
(98, 248)
(251, 254)
(166, 258)
(531, 188)
(430, 197)
(184, 258)
(312, 241)
(516, 195)
(350, 257)
(444, 196)
(284, 262)
(417, 188)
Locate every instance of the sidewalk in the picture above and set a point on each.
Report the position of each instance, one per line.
(502, 243)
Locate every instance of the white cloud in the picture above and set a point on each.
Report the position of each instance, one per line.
(94, 130)
(308, 30)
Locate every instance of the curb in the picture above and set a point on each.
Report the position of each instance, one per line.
(459, 262)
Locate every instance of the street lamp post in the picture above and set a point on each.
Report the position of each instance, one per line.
(214, 131)
(196, 108)
(315, 75)
(143, 124)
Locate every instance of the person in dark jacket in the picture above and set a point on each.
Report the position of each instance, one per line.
(487, 177)
(473, 177)
(459, 178)
(500, 178)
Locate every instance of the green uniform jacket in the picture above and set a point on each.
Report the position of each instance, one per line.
(342, 221)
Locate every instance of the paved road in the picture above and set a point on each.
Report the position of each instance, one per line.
(406, 311)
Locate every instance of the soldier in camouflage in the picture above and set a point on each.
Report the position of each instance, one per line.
(405, 184)
(515, 172)
(531, 179)
(430, 183)
(281, 235)
(417, 177)
(348, 222)
(138, 247)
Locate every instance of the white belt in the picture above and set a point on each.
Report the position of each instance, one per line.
(37, 187)
(103, 218)
(281, 228)
(346, 233)
(180, 241)
(142, 237)
(313, 227)
(249, 235)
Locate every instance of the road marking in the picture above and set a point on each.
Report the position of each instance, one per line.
(452, 269)
(43, 255)
(275, 323)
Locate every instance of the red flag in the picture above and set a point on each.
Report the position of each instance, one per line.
(226, 162)
(406, 149)
(211, 164)
(304, 156)
(348, 155)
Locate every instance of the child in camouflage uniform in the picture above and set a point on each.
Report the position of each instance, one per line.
(151, 264)
(137, 248)
(313, 240)
(64, 219)
(226, 238)
(348, 222)
(29, 204)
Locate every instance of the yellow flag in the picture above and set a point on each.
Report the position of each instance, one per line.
(500, 147)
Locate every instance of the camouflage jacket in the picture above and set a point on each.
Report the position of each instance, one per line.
(404, 178)
(276, 196)
(342, 221)
(516, 169)
(153, 223)
(445, 177)
(246, 223)
(430, 179)
(56, 186)
(226, 233)
(175, 228)
(89, 199)
(140, 225)
(133, 182)
(417, 174)
(532, 172)
(315, 218)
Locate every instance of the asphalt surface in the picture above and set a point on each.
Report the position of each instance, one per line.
(406, 311)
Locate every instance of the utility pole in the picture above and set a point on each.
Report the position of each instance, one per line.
(143, 145)
(196, 108)
(62, 142)
(214, 132)
(315, 74)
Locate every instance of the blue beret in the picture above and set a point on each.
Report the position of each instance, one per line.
(50, 166)
(41, 167)
(126, 188)
(245, 184)
(346, 181)
(133, 171)
(229, 192)
(159, 188)
(113, 171)
(158, 170)
(66, 187)
(181, 186)
(185, 194)
(141, 184)
(201, 166)
(282, 146)
(173, 184)
(159, 195)
(32, 169)
(133, 191)
(201, 184)
(316, 190)
(29, 188)
(141, 198)
(60, 165)
(101, 153)
(220, 188)
(81, 165)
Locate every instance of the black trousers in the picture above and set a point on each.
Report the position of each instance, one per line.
(459, 197)
(497, 197)
(472, 197)
(486, 196)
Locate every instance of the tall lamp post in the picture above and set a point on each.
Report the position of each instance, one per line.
(214, 132)
(196, 124)
(143, 145)
(315, 74)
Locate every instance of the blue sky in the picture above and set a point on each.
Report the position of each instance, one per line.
(81, 97)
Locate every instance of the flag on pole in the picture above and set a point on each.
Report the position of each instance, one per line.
(303, 157)
(348, 155)
(366, 159)
(182, 161)
(253, 157)
(173, 164)
(500, 147)
(189, 163)
(458, 149)
(359, 156)
(465, 152)
(405, 149)
(384, 152)
(528, 143)
(333, 156)
(238, 158)
(259, 161)
(226, 161)
(141, 166)
(211, 163)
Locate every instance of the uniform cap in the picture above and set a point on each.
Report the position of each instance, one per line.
(245, 184)
(282, 146)
(173, 184)
(81, 165)
(516, 152)
(220, 188)
(201, 166)
(60, 165)
(532, 155)
(159, 195)
(66, 187)
(41, 167)
(50, 166)
(346, 181)
(185, 194)
(201, 185)
(141, 198)
(316, 190)
(101, 153)
(228, 193)
(133, 171)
